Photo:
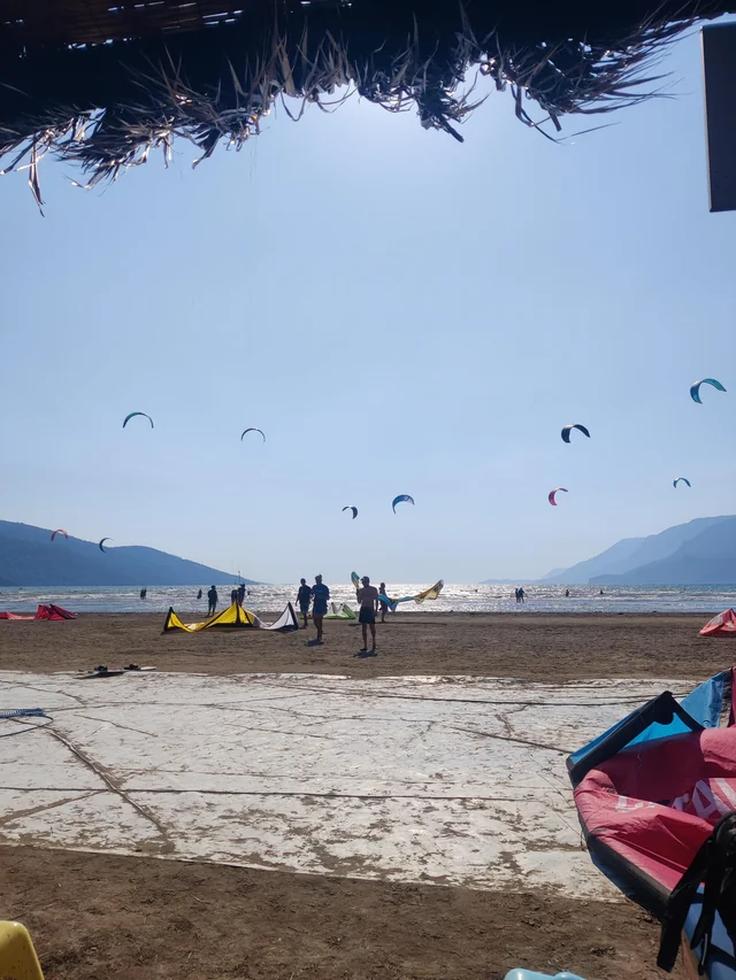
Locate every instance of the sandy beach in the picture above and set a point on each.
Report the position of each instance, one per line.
(527, 646)
(97, 915)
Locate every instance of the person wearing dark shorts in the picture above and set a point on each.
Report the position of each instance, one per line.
(320, 597)
(368, 599)
(303, 598)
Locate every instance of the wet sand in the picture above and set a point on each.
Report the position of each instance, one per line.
(96, 915)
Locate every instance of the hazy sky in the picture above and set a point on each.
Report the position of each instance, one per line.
(400, 314)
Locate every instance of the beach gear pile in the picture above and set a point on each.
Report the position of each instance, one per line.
(656, 798)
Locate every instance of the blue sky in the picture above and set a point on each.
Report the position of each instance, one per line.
(400, 314)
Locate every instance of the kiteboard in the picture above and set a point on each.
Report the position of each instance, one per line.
(355, 579)
(101, 671)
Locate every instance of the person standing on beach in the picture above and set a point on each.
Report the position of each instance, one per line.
(320, 598)
(212, 598)
(383, 605)
(303, 598)
(368, 599)
(241, 593)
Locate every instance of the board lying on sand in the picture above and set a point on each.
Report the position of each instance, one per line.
(656, 797)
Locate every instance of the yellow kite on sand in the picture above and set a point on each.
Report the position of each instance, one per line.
(234, 617)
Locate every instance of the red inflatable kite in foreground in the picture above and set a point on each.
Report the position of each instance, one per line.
(656, 798)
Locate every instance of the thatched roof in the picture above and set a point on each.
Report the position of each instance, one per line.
(102, 82)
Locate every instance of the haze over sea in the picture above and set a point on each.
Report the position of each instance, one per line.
(454, 598)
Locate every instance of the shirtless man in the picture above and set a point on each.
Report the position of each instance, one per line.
(368, 599)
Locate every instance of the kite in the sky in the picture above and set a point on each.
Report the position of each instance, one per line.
(132, 415)
(402, 498)
(681, 479)
(101, 542)
(252, 429)
(354, 510)
(59, 530)
(567, 429)
(695, 389)
(551, 495)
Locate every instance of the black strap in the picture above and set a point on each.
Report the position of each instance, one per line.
(715, 866)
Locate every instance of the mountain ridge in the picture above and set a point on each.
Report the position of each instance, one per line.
(698, 552)
(28, 557)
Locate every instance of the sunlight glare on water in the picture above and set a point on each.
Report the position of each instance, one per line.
(454, 598)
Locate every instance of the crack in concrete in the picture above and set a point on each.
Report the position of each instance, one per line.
(30, 811)
(117, 724)
(327, 795)
(100, 771)
(275, 731)
(511, 738)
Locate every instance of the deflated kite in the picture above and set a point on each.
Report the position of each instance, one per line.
(681, 479)
(551, 495)
(402, 498)
(245, 432)
(101, 542)
(132, 415)
(354, 510)
(59, 530)
(695, 389)
(567, 430)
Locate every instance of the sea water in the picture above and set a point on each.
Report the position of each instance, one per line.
(454, 598)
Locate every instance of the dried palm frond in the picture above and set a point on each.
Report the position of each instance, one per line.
(106, 106)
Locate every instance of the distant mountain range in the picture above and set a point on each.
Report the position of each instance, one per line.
(701, 552)
(29, 557)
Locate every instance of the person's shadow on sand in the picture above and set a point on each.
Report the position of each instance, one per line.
(315, 643)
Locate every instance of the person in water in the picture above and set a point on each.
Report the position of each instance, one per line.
(382, 603)
(199, 594)
(320, 598)
(143, 593)
(212, 598)
(368, 599)
(303, 598)
(522, 595)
